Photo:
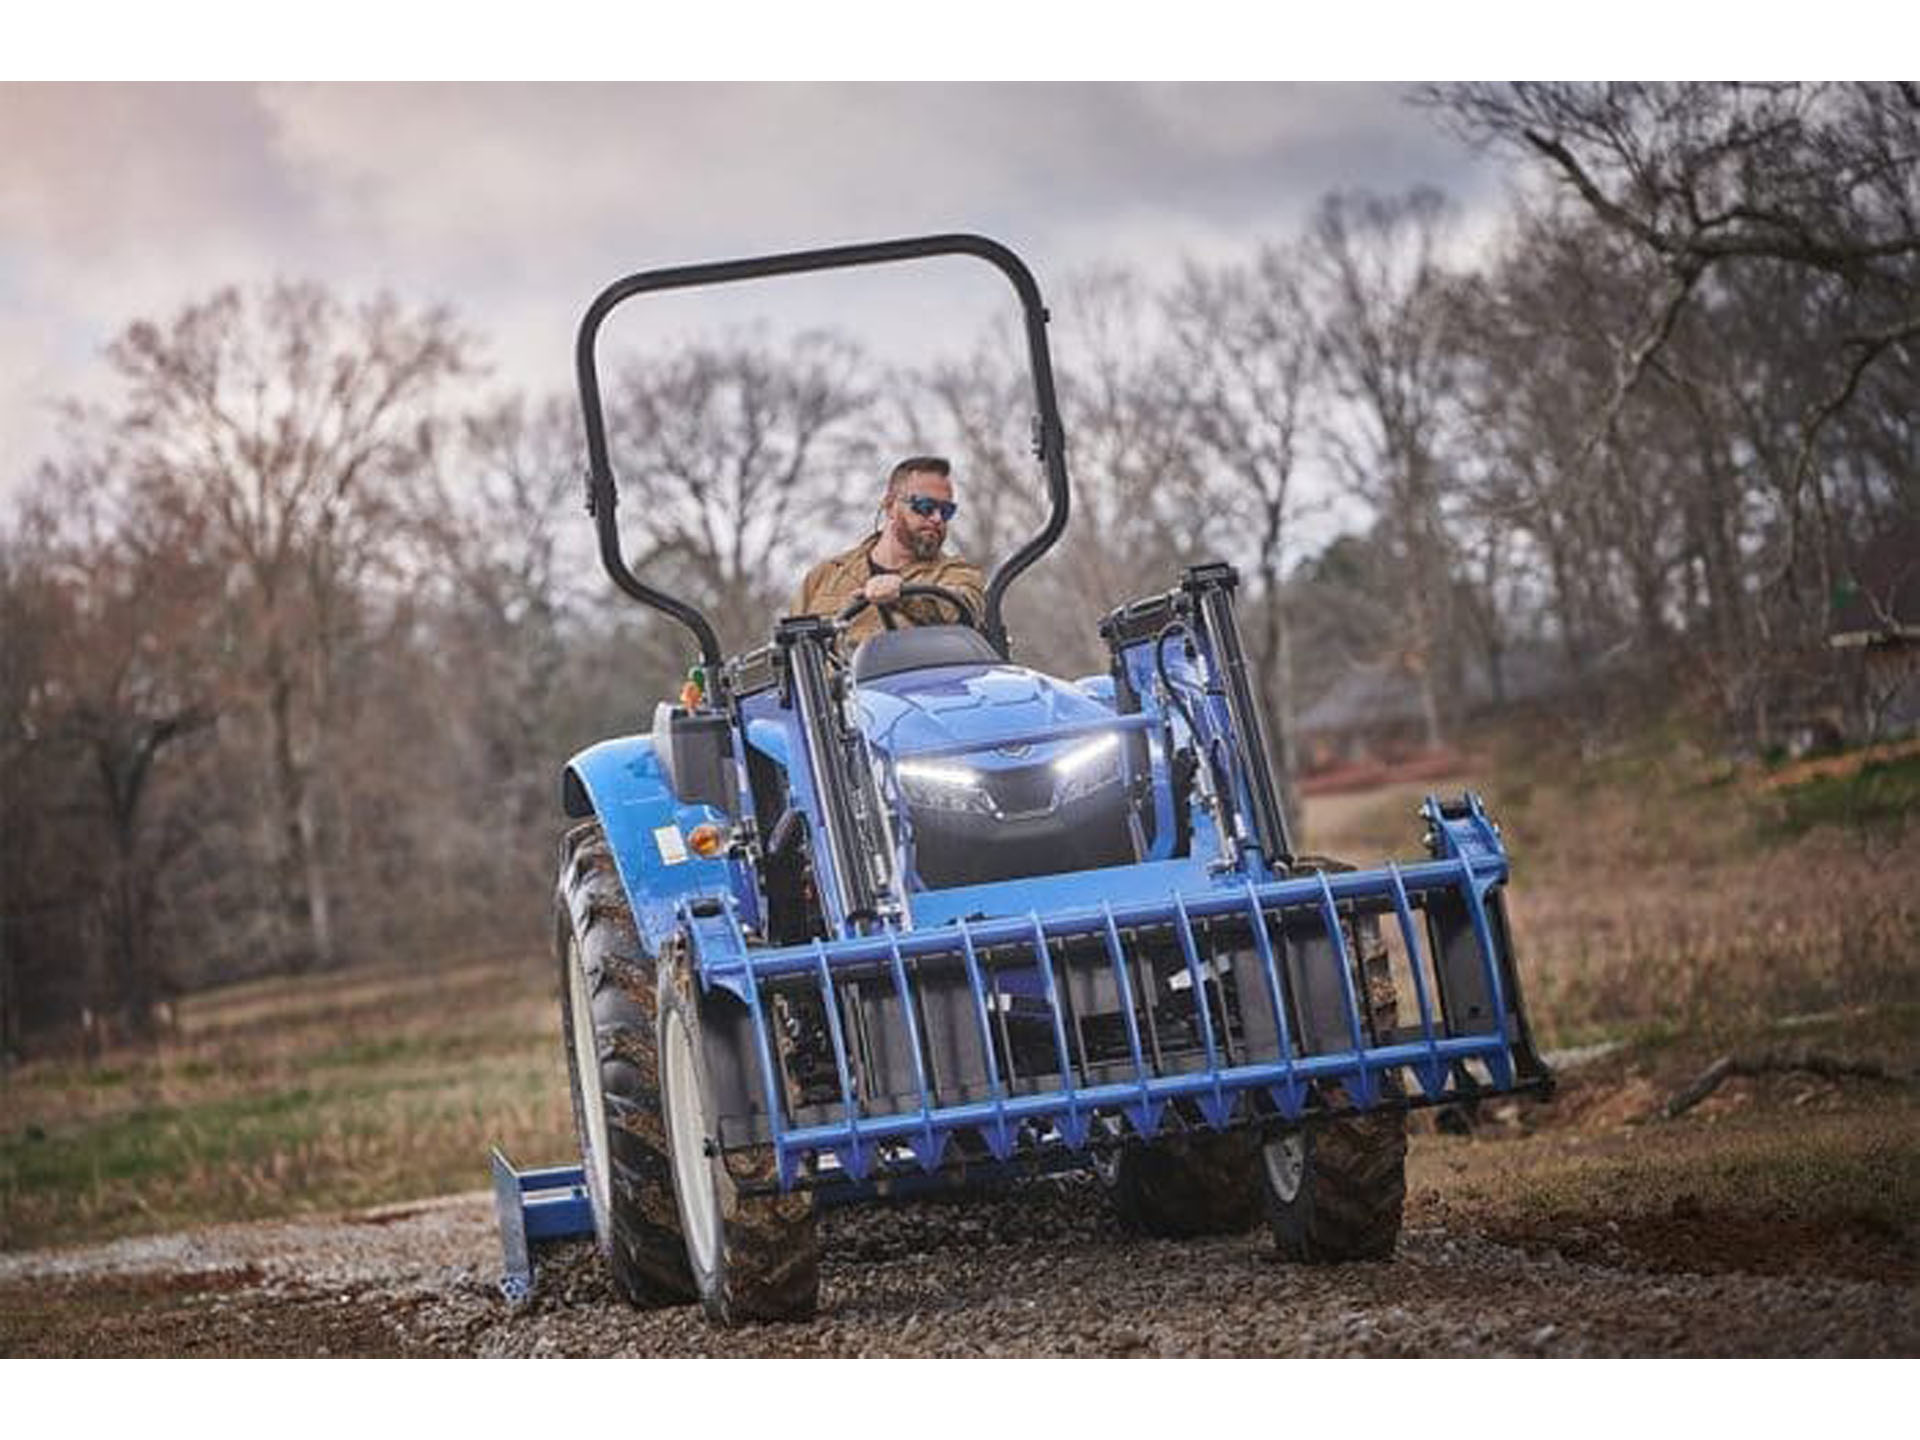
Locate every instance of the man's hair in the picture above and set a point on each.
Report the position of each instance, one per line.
(917, 465)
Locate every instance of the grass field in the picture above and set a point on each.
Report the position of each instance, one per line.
(279, 1098)
(1656, 898)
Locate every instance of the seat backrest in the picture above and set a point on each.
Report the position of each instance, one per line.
(919, 647)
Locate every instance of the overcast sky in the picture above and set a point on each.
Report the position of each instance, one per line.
(517, 203)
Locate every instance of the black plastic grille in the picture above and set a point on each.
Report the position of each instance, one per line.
(1021, 791)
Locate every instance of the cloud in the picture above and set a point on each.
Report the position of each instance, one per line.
(517, 202)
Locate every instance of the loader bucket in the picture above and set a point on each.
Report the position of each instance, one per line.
(1106, 1009)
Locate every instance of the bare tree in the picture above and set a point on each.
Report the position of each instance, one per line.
(734, 461)
(1244, 339)
(1823, 180)
(119, 674)
(1388, 353)
(284, 421)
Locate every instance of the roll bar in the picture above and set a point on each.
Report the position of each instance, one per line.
(1049, 439)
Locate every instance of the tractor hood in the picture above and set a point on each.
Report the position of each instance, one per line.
(963, 704)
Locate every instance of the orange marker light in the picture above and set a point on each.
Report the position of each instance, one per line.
(706, 841)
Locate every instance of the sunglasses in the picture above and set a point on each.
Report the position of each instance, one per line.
(926, 505)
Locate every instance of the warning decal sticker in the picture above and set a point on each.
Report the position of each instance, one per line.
(673, 846)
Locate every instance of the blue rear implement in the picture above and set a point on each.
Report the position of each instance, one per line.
(920, 915)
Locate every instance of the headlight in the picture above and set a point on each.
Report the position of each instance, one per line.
(1085, 768)
(944, 787)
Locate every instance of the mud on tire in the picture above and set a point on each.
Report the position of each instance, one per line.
(754, 1252)
(1336, 1190)
(608, 1021)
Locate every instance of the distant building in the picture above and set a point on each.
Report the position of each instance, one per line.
(1879, 617)
(1368, 725)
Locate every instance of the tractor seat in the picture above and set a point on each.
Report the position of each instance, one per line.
(920, 647)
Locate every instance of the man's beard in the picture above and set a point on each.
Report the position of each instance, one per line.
(920, 544)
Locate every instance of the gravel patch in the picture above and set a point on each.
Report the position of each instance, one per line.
(1038, 1270)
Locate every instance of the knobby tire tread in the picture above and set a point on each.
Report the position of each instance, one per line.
(644, 1249)
(768, 1262)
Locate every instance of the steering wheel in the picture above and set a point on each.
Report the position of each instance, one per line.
(959, 602)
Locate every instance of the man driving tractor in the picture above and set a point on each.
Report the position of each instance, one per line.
(905, 549)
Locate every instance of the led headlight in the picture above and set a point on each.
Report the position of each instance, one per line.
(1085, 768)
(943, 786)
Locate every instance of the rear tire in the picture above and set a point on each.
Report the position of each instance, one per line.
(608, 1022)
(1336, 1189)
(754, 1253)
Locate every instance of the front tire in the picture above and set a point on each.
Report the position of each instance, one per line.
(1336, 1189)
(753, 1251)
(607, 1006)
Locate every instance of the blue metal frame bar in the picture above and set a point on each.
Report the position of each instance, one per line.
(791, 960)
(1167, 1087)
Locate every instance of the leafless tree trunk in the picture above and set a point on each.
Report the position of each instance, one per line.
(1388, 353)
(1244, 344)
(739, 466)
(281, 426)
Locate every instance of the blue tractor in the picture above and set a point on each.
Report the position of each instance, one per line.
(854, 925)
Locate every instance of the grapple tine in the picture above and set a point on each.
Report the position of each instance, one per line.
(1145, 1114)
(853, 1155)
(1364, 1082)
(1216, 1107)
(1073, 1124)
(927, 1147)
(785, 1160)
(999, 1137)
(1431, 1073)
(1289, 1095)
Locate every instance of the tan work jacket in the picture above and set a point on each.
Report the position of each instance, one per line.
(833, 584)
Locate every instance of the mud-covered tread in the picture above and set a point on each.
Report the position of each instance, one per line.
(644, 1249)
(1185, 1186)
(773, 1240)
(768, 1263)
(1352, 1194)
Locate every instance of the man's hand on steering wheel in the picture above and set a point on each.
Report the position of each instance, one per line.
(892, 592)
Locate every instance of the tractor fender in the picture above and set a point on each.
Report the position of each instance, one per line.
(621, 783)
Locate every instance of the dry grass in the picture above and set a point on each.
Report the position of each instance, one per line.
(1652, 892)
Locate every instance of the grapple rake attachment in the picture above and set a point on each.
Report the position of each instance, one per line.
(1240, 1002)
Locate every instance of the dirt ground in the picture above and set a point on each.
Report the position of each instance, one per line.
(1778, 1217)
